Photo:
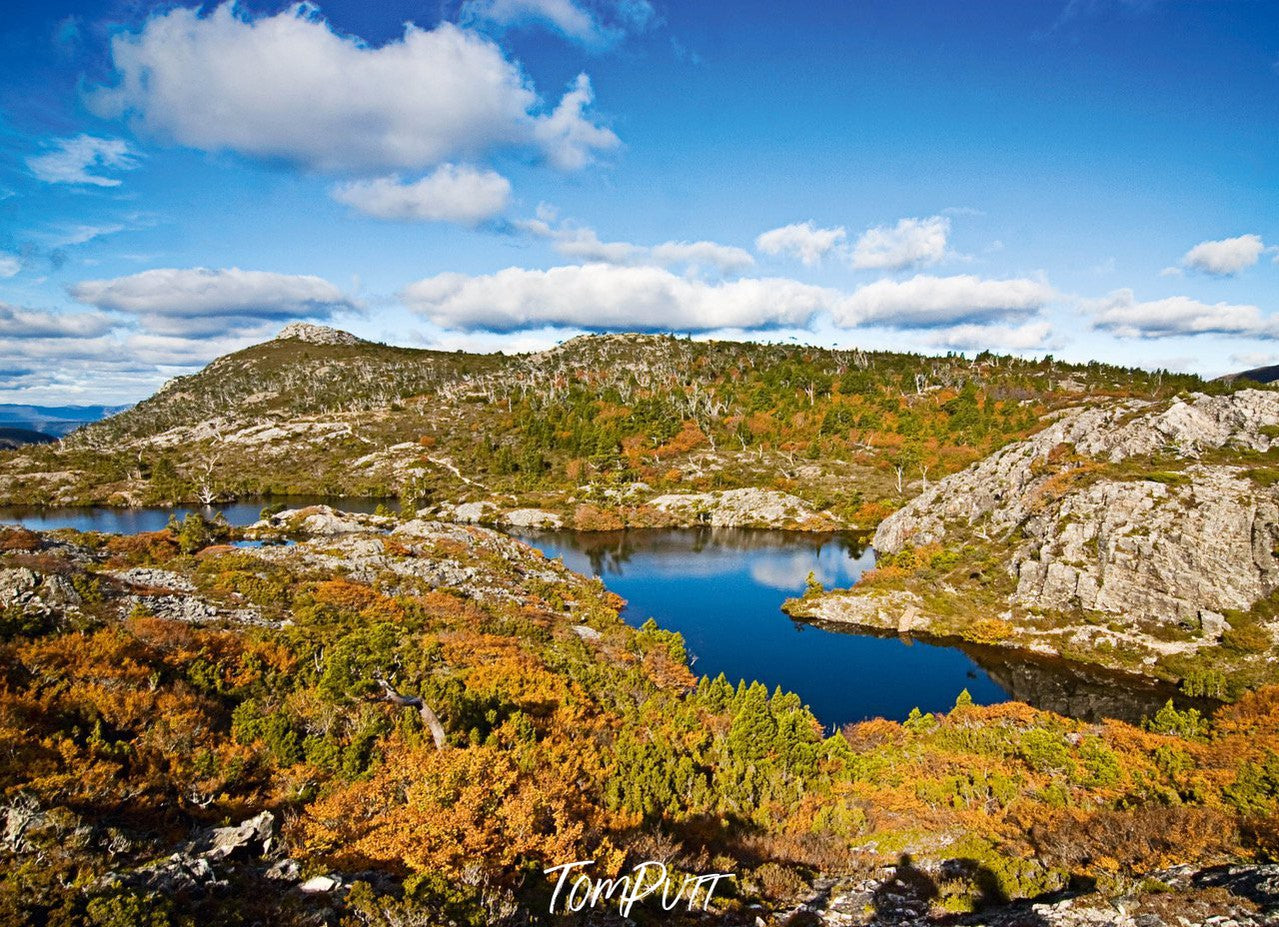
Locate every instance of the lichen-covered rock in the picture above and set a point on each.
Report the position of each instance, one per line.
(1181, 553)
(1182, 547)
(882, 610)
(153, 578)
(36, 592)
(999, 486)
(323, 521)
(252, 836)
(467, 512)
(744, 508)
(531, 518)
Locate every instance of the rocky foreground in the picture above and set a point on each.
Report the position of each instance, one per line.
(339, 719)
(1141, 535)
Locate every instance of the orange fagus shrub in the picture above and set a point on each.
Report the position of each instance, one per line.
(426, 809)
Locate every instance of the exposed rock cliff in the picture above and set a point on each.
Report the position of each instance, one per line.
(1145, 524)
(316, 334)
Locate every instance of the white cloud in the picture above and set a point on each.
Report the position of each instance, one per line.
(580, 242)
(288, 87)
(1250, 360)
(73, 158)
(198, 301)
(567, 135)
(610, 297)
(724, 258)
(10, 264)
(1030, 336)
(909, 243)
(603, 296)
(1122, 314)
(802, 240)
(118, 366)
(1226, 257)
(583, 244)
(16, 322)
(599, 27)
(926, 301)
(1171, 272)
(461, 194)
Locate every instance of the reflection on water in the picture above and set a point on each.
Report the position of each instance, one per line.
(723, 589)
(115, 520)
(1079, 691)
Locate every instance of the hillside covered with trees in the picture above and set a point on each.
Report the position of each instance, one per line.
(591, 430)
(401, 723)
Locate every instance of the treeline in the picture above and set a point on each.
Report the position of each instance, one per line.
(851, 430)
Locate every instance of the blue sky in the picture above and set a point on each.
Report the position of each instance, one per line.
(1096, 179)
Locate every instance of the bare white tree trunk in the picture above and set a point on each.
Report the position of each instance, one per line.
(424, 710)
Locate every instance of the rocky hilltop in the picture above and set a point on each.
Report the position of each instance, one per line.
(600, 431)
(316, 334)
(1138, 533)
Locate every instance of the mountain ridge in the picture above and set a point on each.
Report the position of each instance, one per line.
(592, 430)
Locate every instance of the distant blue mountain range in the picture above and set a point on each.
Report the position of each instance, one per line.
(54, 421)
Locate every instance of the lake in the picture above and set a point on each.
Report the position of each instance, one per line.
(722, 589)
(154, 518)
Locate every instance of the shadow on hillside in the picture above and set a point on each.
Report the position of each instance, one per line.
(911, 893)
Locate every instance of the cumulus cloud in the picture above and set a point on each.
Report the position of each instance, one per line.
(198, 301)
(450, 193)
(599, 26)
(118, 366)
(1226, 257)
(802, 240)
(909, 243)
(578, 241)
(1250, 360)
(583, 244)
(17, 322)
(724, 258)
(73, 161)
(287, 87)
(604, 297)
(926, 301)
(1029, 336)
(568, 136)
(1122, 314)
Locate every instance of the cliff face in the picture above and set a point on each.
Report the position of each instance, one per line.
(1151, 525)
(1158, 544)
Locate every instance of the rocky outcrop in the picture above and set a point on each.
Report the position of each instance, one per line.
(1240, 895)
(634, 506)
(36, 593)
(1087, 534)
(1182, 553)
(531, 518)
(744, 508)
(1000, 487)
(196, 865)
(470, 513)
(879, 610)
(316, 334)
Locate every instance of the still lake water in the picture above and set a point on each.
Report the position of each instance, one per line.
(723, 590)
(114, 520)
